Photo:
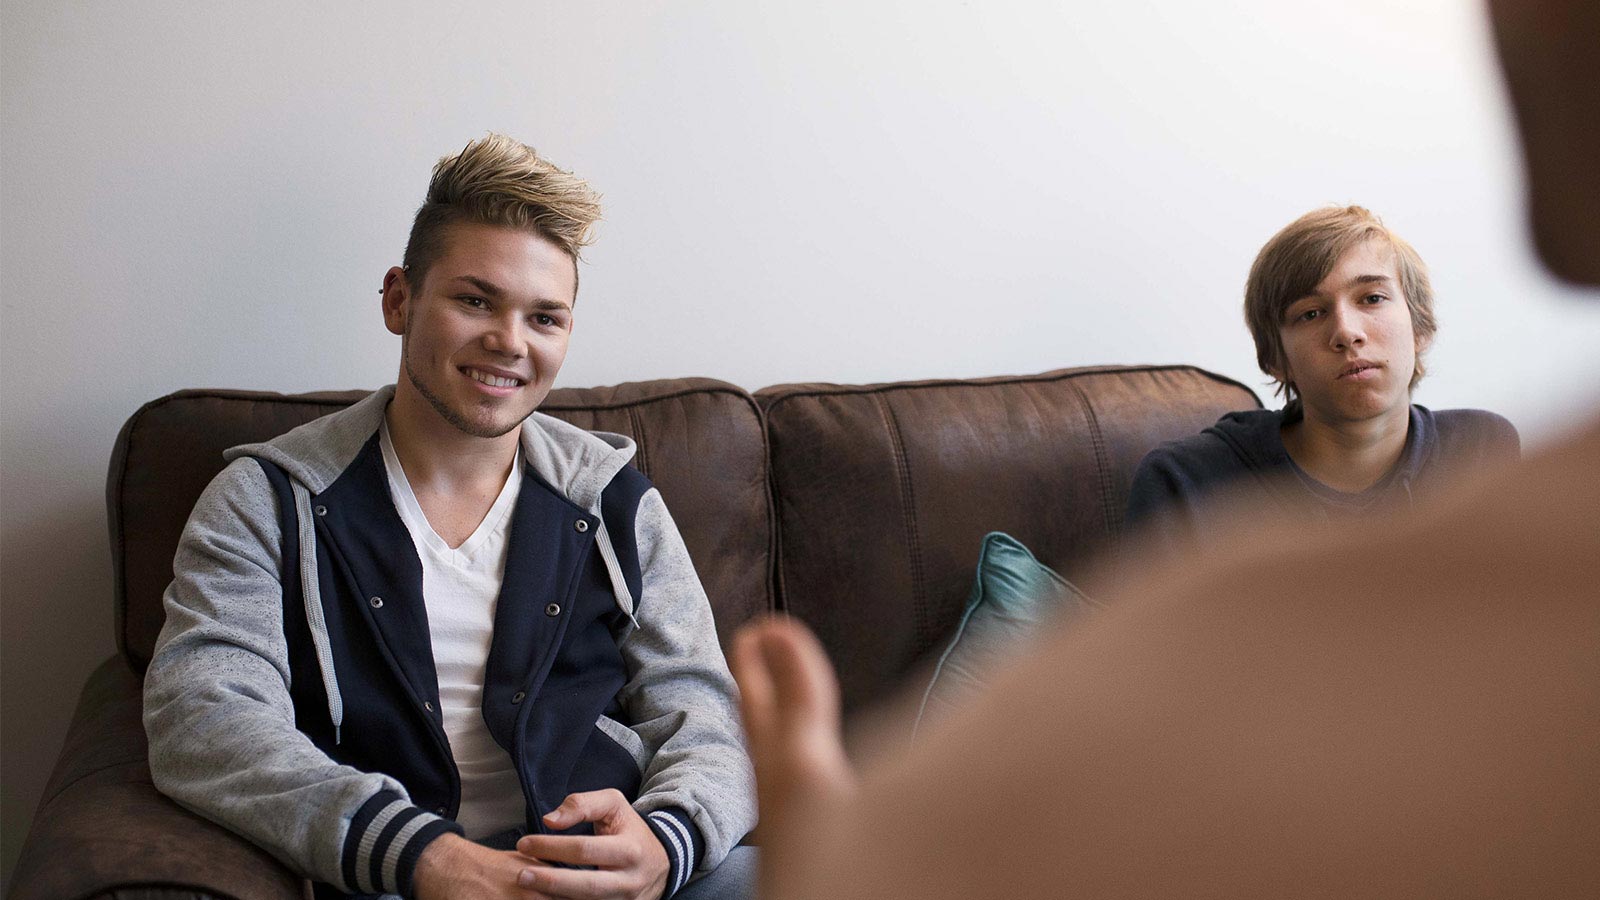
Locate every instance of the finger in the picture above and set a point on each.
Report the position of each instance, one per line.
(605, 851)
(588, 806)
(795, 682)
(575, 884)
(795, 740)
(803, 681)
(757, 701)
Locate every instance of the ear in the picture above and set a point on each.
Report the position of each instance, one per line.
(1423, 343)
(396, 296)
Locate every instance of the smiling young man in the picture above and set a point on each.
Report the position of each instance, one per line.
(1341, 312)
(413, 635)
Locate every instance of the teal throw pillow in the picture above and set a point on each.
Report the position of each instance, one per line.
(1013, 594)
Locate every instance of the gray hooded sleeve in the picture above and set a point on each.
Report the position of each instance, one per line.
(683, 703)
(217, 709)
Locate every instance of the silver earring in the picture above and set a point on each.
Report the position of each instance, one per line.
(403, 269)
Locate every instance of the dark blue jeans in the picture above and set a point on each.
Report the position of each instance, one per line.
(734, 879)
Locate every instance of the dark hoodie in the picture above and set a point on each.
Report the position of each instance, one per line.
(1179, 486)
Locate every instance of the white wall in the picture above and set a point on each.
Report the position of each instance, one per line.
(207, 194)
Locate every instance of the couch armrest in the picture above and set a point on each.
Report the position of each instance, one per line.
(102, 829)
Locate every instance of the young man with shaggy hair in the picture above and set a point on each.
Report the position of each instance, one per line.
(405, 635)
(1341, 312)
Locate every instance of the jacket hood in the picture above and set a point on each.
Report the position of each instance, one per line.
(1254, 437)
(576, 462)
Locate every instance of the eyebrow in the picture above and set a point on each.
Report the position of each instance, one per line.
(494, 290)
(1359, 279)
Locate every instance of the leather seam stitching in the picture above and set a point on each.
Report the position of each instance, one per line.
(1102, 464)
(908, 521)
(640, 454)
(62, 789)
(845, 390)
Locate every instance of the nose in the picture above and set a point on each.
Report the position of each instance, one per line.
(504, 336)
(1347, 329)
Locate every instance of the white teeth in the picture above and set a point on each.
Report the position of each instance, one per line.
(492, 380)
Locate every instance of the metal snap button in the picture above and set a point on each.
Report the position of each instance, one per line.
(427, 705)
(582, 525)
(320, 510)
(517, 697)
(553, 609)
(376, 603)
(439, 810)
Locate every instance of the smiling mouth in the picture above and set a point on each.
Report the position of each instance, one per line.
(491, 379)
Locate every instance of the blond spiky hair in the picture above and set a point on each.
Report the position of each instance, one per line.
(497, 180)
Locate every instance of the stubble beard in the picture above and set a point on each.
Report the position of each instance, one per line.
(455, 418)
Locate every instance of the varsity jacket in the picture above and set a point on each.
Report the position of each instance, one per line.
(292, 695)
(1181, 487)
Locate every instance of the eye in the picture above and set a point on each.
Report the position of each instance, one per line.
(1308, 315)
(473, 301)
(545, 320)
(1373, 299)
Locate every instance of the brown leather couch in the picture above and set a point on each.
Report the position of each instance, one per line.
(857, 508)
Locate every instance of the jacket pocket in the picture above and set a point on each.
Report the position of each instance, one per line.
(626, 738)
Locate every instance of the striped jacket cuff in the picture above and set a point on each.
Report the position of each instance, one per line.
(386, 836)
(683, 844)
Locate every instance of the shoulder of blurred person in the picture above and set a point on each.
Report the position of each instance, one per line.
(1476, 437)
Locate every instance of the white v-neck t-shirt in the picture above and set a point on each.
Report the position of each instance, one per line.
(460, 588)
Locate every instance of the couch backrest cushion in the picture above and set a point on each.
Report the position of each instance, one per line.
(700, 441)
(884, 492)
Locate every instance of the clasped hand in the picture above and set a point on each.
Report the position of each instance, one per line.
(627, 861)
